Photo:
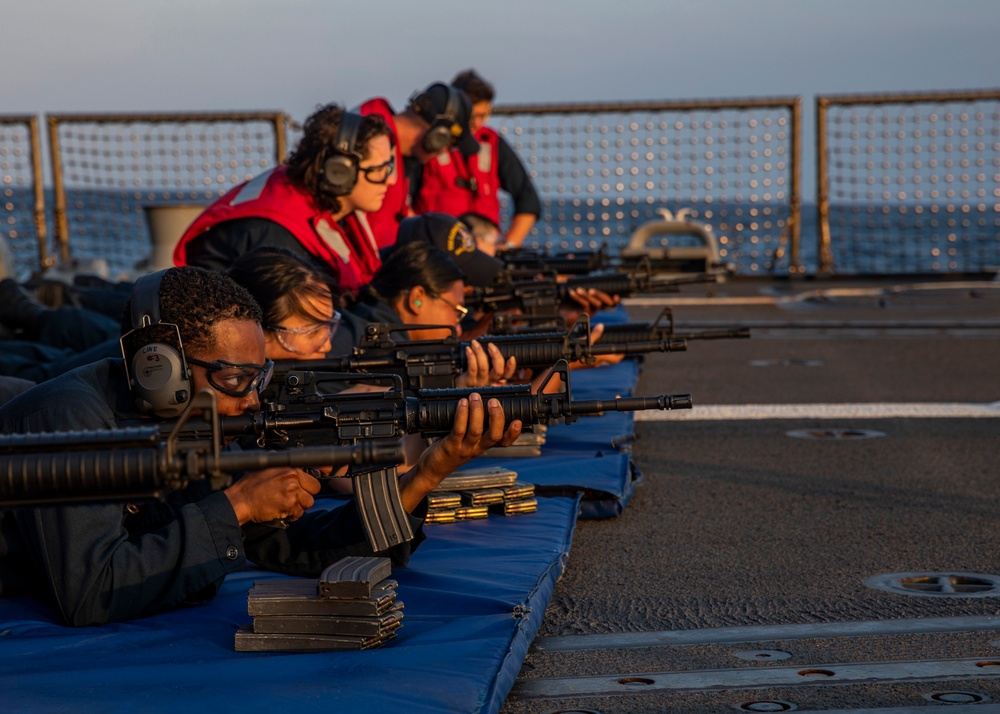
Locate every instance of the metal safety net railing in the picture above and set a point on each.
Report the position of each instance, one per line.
(603, 170)
(908, 183)
(23, 230)
(108, 169)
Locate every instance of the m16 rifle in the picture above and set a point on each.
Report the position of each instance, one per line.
(146, 461)
(525, 262)
(424, 364)
(663, 328)
(544, 297)
(311, 408)
(305, 408)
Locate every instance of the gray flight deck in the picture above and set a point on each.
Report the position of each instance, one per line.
(820, 533)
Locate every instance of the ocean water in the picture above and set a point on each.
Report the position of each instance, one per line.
(110, 227)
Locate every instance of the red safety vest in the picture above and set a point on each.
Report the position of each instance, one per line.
(396, 206)
(348, 247)
(454, 184)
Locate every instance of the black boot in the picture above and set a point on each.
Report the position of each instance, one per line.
(18, 310)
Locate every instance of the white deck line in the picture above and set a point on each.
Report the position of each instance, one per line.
(804, 295)
(658, 301)
(747, 412)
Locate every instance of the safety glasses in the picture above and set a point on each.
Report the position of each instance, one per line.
(236, 379)
(306, 340)
(462, 310)
(379, 174)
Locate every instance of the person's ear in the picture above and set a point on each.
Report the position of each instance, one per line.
(416, 298)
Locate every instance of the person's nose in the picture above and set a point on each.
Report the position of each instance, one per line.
(251, 402)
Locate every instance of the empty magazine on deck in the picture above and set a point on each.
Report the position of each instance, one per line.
(486, 477)
(378, 626)
(299, 597)
(353, 577)
(249, 641)
(352, 606)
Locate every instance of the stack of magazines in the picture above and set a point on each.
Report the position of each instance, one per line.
(353, 606)
(475, 493)
(529, 443)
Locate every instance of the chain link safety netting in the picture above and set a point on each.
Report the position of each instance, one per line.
(110, 169)
(19, 232)
(912, 186)
(603, 172)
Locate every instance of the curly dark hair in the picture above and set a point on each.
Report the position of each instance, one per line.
(319, 133)
(281, 282)
(195, 299)
(474, 86)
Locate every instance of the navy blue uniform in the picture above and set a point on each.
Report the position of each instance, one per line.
(100, 563)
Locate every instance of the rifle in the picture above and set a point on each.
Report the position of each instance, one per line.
(305, 408)
(543, 297)
(511, 323)
(526, 262)
(664, 328)
(145, 462)
(436, 363)
(310, 408)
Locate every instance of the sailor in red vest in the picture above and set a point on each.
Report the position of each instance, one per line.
(315, 204)
(459, 183)
(435, 121)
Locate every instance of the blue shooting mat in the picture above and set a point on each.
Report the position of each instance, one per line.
(592, 455)
(474, 596)
(612, 316)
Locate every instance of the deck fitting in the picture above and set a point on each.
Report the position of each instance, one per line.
(835, 434)
(763, 655)
(963, 585)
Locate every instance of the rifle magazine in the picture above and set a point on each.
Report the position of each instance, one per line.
(380, 506)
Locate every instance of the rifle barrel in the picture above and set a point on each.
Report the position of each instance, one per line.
(632, 404)
(107, 474)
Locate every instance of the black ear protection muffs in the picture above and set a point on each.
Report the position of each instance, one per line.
(340, 170)
(445, 128)
(158, 374)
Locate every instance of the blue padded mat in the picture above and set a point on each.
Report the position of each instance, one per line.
(474, 593)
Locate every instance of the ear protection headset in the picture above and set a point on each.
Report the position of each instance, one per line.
(445, 128)
(158, 374)
(340, 170)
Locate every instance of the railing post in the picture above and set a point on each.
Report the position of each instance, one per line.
(795, 209)
(59, 191)
(41, 227)
(823, 251)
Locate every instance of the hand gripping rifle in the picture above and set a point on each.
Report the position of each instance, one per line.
(145, 462)
(543, 297)
(424, 364)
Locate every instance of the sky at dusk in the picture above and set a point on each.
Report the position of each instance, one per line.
(217, 55)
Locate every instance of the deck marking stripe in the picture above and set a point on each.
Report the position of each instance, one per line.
(766, 633)
(917, 709)
(810, 675)
(875, 410)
